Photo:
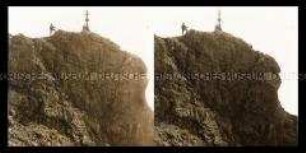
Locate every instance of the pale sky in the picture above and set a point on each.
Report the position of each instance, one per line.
(272, 30)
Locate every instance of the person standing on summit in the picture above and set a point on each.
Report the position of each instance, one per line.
(52, 28)
(184, 28)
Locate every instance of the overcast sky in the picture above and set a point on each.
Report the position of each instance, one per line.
(272, 30)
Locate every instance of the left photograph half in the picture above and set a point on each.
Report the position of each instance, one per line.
(80, 76)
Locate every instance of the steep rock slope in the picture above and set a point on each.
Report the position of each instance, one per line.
(213, 89)
(76, 89)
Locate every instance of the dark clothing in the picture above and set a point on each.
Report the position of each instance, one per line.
(52, 28)
(184, 28)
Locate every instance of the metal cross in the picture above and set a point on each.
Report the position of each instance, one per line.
(87, 18)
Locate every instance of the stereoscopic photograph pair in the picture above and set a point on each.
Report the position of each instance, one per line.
(152, 76)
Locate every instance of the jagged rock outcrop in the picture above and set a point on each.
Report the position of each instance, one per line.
(213, 89)
(76, 89)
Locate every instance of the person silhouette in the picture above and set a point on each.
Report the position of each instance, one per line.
(52, 28)
(184, 28)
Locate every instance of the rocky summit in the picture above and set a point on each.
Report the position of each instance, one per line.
(214, 89)
(76, 89)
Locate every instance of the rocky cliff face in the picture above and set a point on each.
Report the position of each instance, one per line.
(213, 89)
(76, 89)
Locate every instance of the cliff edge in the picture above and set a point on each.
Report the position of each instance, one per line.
(76, 89)
(213, 89)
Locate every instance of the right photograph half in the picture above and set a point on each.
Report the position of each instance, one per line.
(226, 76)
